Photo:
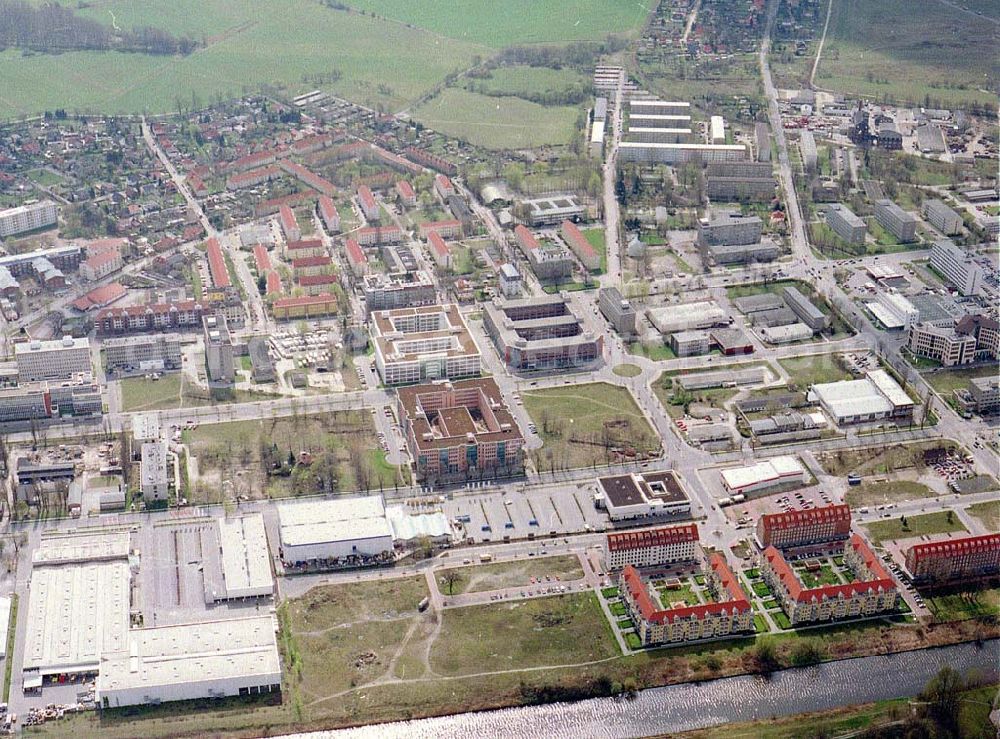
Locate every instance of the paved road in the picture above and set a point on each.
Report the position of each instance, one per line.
(612, 243)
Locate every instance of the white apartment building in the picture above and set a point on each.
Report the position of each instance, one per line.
(153, 475)
(651, 547)
(58, 359)
(423, 343)
(143, 353)
(943, 218)
(957, 266)
(26, 218)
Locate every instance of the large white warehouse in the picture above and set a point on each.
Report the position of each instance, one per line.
(246, 562)
(764, 475)
(191, 661)
(334, 529)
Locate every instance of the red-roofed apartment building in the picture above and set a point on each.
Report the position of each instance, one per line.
(525, 239)
(406, 194)
(439, 250)
(953, 559)
(356, 258)
(305, 248)
(101, 264)
(872, 593)
(216, 264)
(328, 212)
(448, 229)
(368, 204)
(443, 186)
(729, 614)
(801, 528)
(261, 259)
(375, 235)
(318, 284)
(289, 224)
(311, 266)
(651, 547)
(579, 245)
(273, 287)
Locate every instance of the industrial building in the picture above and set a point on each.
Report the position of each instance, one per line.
(941, 217)
(981, 396)
(154, 478)
(398, 290)
(540, 333)
(874, 592)
(29, 217)
(787, 334)
(59, 359)
(550, 211)
(690, 343)
(957, 265)
(214, 659)
(618, 311)
(805, 310)
(142, 353)
(893, 310)
(425, 343)
(764, 476)
(729, 227)
(876, 397)
(341, 531)
(954, 559)
(896, 221)
(701, 314)
(651, 547)
(846, 224)
(723, 378)
(218, 349)
(245, 560)
(460, 431)
(633, 496)
(805, 527)
(729, 614)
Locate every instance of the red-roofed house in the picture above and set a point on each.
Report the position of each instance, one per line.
(252, 177)
(443, 186)
(308, 177)
(651, 547)
(368, 204)
(801, 528)
(318, 284)
(356, 258)
(873, 592)
(328, 212)
(439, 250)
(273, 287)
(579, 245)
(305, 248)
(262, 259)
(307, 306)
(525, 239)
(953, 559)
(375, 235)
(729, 614)
(448, 229)
(216, 264)
(406, 194)
(311, 266)
(289, 224)
(101, 264)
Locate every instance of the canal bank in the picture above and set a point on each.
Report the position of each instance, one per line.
(690, 706)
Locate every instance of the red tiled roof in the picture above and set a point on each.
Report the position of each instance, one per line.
(366, 198)
(273, 283)
(663, 536)
(217, 263)
(797, 592)
(577, 240)
(948, 548)
(261, 258)
(96, 246)
(379, 229)
(304, 244)
(305, 300)
(288, 220)
(99, 297)
(327, 210)
(428, 226)
(437, 244)
(405, 190)
(443, 182)
(525, 237)
(101, 258)
(138, 310)
(354, 252)
(640, 595)
(311, 262)
(811, 517)
(310, 280)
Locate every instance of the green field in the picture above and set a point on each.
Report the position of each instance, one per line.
(627, 370)
(175, 391)
(497, 122)
(988, 513)
(960, 605)
(885, 48)
(508, 574)
(947, 381)
(892, 491)
(248, 44)
(596, 238)
(500, 24)
(928, 523)
(584, 425)
(523, 81)
(812, 370)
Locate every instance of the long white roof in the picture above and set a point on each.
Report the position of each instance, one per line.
(340, 519)
(246, 562)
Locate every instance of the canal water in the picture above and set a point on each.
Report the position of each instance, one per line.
(694, 706)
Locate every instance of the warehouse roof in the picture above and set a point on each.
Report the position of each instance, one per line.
(246, 562)
(342, 519)
(769, 470)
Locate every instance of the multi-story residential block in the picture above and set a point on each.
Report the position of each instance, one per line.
(671, 153)
(803, 528)
(873, 593)
(443, 186)
(446, 229)
(896, 221)
(619, 312)
(356, 258)
(142, 353)
(375, 235)
(846, 224)
(149, 317)
(511, 282)
(58, 359)
(153, 475)
(730, 614)
(30, 217)
(957, 559)
(305, 306)
(303, 249)
(743, 189)
(729, 227)
(218, 349)
(957, 265)
(101, 264)
(368, 204)
(398, 290)
(941, 217)
(804, 309)
(289, 224)
(439, 250)
(579, 245)
(217, 269)
(807, 145)
(549, 261)
(651, 547)
(421, 344)
(328, 213)
(460, 431)
(318, 284)
(322, 265)
(764, 251)
(405, 193)
(540, 333)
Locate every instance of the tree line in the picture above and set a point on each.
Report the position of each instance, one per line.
(53, 28)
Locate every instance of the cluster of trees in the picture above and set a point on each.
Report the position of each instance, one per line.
(53, 28)
(581, 55)
(575, 94)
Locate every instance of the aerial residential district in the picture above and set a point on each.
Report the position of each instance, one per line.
(312, 415)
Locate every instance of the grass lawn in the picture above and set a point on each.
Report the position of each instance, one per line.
(782, 620)
(892, 491)
(812, 370)
(343, 445)
(657, 352)
(627, 370)
(684, 594)
(510, 574)
(759, 623)
(761, 589)
(174, 391)
(988, 513)
(379, 61)
(928, 523)
(947, 381)
(618, 609)
(584, 425)
(497, 123)
(609, 593)
(523, 81)
(596, 238)
(823, 576)
(633, 640)
(880, 460)
(961, 605)
(558, 630)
